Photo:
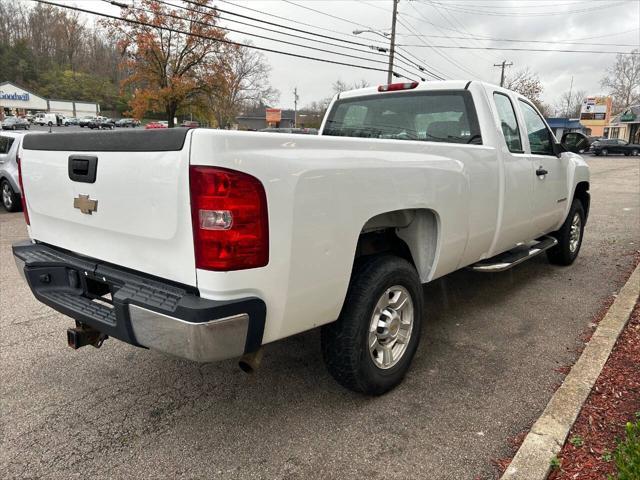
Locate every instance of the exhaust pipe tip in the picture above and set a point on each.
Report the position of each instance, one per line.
(249, 362)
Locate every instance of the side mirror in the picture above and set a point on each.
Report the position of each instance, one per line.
(575, 142)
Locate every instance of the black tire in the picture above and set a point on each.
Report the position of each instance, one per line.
(634, 152)
(345, 343)
(604, 152)
(564, 253)
(10, 199)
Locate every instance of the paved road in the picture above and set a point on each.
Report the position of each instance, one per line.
(483, 373)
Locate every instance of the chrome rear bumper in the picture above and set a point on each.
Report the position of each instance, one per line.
(202, 342)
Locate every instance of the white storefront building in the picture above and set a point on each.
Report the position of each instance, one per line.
(17, 100)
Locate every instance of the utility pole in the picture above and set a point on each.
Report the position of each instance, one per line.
(503, 65)
(295, 107)
(392, 49)
(566, 114)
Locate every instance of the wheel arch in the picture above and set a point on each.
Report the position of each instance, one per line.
(410, 233)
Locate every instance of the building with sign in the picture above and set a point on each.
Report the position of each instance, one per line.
(625, 125)
(595, 114)
(262, 117)
(15, 100)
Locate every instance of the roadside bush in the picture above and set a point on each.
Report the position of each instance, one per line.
(627, 454)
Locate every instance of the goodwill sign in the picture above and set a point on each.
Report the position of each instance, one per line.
(14, 96)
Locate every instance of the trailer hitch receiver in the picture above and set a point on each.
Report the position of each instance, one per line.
(82, 335)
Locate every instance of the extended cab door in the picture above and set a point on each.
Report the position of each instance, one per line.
(515, 222)
(550, 195)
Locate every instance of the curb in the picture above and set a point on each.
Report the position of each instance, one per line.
(547, 436)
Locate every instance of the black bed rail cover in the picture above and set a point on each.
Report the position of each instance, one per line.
(160, 140)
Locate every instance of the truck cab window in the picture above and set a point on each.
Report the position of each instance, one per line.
(540, 138)
(440, 116)
(508, 122)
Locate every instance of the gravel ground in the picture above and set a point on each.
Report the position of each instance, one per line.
(483, 373)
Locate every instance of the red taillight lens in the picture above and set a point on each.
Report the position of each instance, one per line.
(229, 217)
(23, 197)
(392, 87)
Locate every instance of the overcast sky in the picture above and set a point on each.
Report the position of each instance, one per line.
(589, 24)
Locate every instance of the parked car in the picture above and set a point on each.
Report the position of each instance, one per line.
(68, 121)
(154, 125)
(15, 123)
(42, 118)
(84, 121)
(190, 124)
(261, 237)
(102, 123)
(615, 146)
(127, 122)
(9, 183)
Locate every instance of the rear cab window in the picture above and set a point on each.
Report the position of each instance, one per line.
(432, 116)
(508, 122)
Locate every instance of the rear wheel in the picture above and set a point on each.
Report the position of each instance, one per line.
(634, 152)
(370, 347)
(569, 236)
(10, 199)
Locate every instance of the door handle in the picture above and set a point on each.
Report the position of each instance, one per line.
(541, 172)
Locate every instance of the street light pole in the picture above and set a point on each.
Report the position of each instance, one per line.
(392, 48)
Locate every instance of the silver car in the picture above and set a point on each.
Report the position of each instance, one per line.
(9, 186)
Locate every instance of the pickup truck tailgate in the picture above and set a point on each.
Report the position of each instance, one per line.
(141, 218)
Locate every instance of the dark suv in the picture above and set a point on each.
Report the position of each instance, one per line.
(615, 145)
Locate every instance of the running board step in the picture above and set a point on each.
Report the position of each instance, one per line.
(511, 258)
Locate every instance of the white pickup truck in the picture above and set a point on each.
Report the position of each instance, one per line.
(207, 244)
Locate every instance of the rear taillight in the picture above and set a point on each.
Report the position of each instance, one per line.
(23, 197)
(393, 87)
(229, 216)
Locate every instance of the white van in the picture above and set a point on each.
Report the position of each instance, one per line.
(45, 119)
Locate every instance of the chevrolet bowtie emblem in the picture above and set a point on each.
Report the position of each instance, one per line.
(85, 204)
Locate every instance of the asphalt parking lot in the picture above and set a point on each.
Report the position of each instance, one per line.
(484, 371)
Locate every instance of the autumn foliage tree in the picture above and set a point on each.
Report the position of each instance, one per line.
(171, 57)
(245, 84)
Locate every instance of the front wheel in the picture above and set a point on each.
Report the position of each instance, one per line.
(634, 152)
(604, 152)
(569, 236)
(370, 347)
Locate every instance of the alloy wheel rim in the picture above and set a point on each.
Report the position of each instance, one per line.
(6, 196)
(390, 327)
(574, 233)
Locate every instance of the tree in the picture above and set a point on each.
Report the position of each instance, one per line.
(623, 80)
(168, 70)
(526, 83)
(570, 103)
(340, 86)
(245, 84)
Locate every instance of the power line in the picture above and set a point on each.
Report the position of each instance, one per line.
(291, 20)
(512, 40)
(250, 34)
(520, 49)
(353, 22)
(428, 45)
(486, 11)
(376, 49)
(230, 42)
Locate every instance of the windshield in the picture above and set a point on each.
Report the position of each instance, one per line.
(434, 116)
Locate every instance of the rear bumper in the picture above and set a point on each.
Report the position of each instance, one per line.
(144, 311)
